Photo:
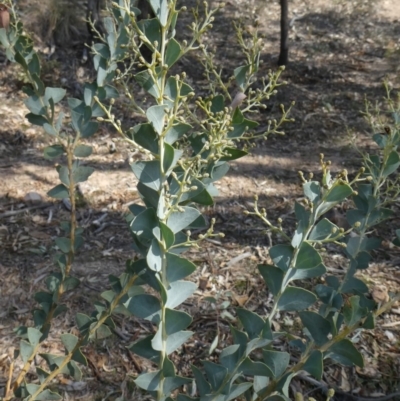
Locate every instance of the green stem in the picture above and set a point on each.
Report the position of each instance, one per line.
(287, 275)
(84, 338)
(362, 233)
(162, 218)
(340, 336)
(47, 323)
(71, 253)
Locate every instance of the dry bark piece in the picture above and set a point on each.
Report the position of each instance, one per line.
(380, 293)
(203, 283)
(4, 16)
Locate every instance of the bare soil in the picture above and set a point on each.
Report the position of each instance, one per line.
(340, 53)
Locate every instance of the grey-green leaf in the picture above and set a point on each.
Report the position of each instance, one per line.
(308, 257)
(318, 326)
(273, 277)
(312, 191)
(70, 283)
(144, 223)
(146, 81)
(160, 8)
(251, 368)
(72, 369)
(345, 353)
(315, 364)
(154, 256)
(52, 152)
(102, 332)
(26, 350)
(172, 383)
(240, 74)
(145, 306)
(83, 151)
(35, 105)
(173, 52)
(48, 395)
(83, 322)
(282, 255)
(178, 292)
(230, 356)
(392, 163)
(149, 381)
(215, 374)
(148, 173)
(155, 115)
(144, 349)
(353, 312)
(323, 230)
(171, 157)
(236, 390)
(63, 174)
(252, 323)
(57, 94)
(167, 235)
(34, 336)
(176, 321)
(42, 374)
(59, 192)
(69, 341)
(202, 384)
(178, 268)
(302, 274)
(64, 244)
(145, 136)
(338, 193)
(178, 221)
(175, 340)
(296, 299)
(177, 130)
(82, 173)
(276, 361)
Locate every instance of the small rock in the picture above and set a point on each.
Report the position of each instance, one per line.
(33, 197)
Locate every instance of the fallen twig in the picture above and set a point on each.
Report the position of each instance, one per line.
(25, 209)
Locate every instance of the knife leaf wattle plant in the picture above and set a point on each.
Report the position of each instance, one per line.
(187, 143)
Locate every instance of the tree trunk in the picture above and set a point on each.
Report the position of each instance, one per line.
(284, 53)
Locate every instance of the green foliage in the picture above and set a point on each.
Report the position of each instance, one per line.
(188, 143)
